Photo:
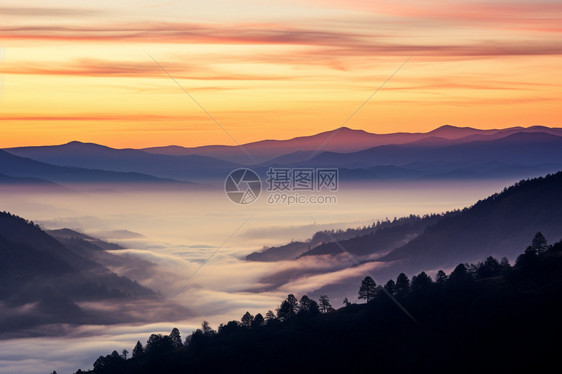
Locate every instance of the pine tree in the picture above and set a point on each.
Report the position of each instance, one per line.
(402, 285)
(176, 338)
(368, 289)
(324, 304)
(247, 319)
(258, 320)
(288, 308)
(441, 278)
(307, 305)
(206, 328)
(539, 243)
(421, 282)
(138, 350)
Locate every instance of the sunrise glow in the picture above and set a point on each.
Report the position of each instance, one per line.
(83, 71)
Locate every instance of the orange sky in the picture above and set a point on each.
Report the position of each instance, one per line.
(275, 69)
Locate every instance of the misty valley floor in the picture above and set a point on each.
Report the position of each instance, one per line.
(170, 232)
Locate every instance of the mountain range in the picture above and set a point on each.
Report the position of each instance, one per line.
(444, 153)
(526, 148)
(342, 140)
(20, 170)
(94, 156)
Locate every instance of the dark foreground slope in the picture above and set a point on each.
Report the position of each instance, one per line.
(487, 318)
(43, 281)
(496, 226)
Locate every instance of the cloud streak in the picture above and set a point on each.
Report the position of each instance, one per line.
(343, 43)
(130, 69)
(499, 14)
(44, 12)
(179, 33)
(87, 117)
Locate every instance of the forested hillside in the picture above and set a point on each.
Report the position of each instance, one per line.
(487, 317)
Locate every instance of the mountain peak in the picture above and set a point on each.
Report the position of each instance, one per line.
(76, 143)
(450, 128)
(344, 130)
(454, 132)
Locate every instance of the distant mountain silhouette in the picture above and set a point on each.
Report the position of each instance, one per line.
(37, 268)
(341, 140)
(447, 171)
(520, 148)
(94, 156)
(518, 155)
(447, 152)
(26, 170)
(27, 183)
(455, 132)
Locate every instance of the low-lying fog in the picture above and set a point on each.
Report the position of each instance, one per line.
(179, 232)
